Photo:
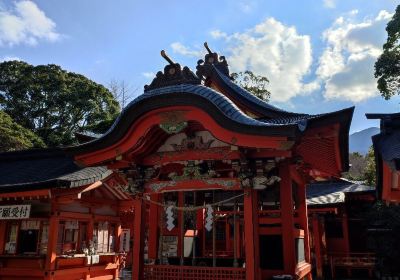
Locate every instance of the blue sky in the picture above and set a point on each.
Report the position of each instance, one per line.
(318, 54)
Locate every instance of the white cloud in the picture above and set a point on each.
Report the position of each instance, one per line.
(276, 51)
(179, 48)
(217, 34)
(329, 4)
(149, 75)
(26, 24)
(346, 67)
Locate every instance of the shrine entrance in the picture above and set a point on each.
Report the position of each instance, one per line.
(200, 233)
(237, 218)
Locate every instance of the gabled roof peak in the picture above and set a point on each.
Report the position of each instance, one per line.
(211, 58)
(173, 75)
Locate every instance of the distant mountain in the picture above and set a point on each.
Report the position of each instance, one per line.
(361, 141)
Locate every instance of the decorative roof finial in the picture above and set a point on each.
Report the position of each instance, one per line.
(166, 57)
(207, 48)
(211, 59)
(173, 75)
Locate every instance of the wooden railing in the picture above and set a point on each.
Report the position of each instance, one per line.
(172, 272)
(351, 261)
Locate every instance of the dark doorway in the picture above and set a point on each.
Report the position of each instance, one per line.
(28, 241)
(271, 252)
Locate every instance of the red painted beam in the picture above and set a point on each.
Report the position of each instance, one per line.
(192, 185)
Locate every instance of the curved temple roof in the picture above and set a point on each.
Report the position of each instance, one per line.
(179, 87)
(262, 107)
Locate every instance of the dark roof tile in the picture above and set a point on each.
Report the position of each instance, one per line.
(30, 169)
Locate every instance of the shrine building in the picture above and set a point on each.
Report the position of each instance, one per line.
(216, 177)
(338, 230)
(58, 220)
(387, 156)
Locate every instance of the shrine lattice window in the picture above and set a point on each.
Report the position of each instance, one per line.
(26, 237)
(72, 237)
(104, 237)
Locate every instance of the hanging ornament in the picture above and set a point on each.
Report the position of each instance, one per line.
(209, 218)
(170, 218)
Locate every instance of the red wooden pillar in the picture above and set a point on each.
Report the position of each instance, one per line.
(118, 232)
(238, 238)
(52, 245)
(138, 239)
(317, 245)
(3, 228)
(303, 217)
(286, 198)
(181, 221)
(90, 229)
(251, 233)
(154, 219)
(387, 182)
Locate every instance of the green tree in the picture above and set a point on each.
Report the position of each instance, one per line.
(362, 167)
(370, 169)
(15, 137)
(387, 67)
(357, 168)
(52, 102)
(255, 84)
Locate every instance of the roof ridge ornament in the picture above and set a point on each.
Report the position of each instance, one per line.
(211, 58)
(173, 75)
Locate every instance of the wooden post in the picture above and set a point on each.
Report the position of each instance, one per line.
(181, 239)
(118, 232)
(3, 228)
(52, 244)
(153, 227)
(286, 198)
(386, 181)
(138, 239)
(251, 235)
(235, 236)
(317, 245)
(195, 231)
(303, 216)
(214, 234)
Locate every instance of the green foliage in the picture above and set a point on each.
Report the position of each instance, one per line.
(52, 102)
(255, 84)
(387, 67)
(370, 169)
(362, 167)
(15, 137)
(357, 168)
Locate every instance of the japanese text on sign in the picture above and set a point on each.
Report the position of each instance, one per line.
(10, 212)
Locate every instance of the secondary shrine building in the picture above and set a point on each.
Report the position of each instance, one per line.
(217, 177)
(58, 220)
(387, 156)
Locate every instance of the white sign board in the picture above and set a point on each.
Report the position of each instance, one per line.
(14, 212)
